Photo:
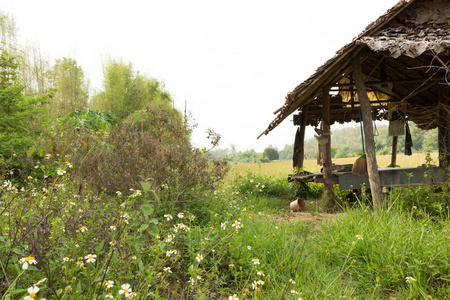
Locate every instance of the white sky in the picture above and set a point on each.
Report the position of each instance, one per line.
(233, 61)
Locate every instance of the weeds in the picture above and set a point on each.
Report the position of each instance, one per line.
(59, 244)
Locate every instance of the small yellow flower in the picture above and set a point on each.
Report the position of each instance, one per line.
(125, 290)
(90, 258)
(61, 172)
(236, 224)
(109, 284)
(41, 281)
(27, 260)
(32, 291)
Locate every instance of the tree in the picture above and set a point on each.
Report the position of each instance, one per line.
(72, 92)
(34, 71)
(286, 153)
(271, 153)
(126, 91)
(8, 32)
(19, 112)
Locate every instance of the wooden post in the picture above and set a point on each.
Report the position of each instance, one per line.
(444, 127)
(364, 102)
(394, 151)
(327, 163)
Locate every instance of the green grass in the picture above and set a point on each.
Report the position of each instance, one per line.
(213, 249)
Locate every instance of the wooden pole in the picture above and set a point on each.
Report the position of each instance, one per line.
(444, 127)
(394, 151)
(327, 163)
(372, 167)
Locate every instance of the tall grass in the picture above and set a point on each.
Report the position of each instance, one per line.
(280, 169)
(227, 245)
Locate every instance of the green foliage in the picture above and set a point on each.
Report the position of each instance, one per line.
(20, 114)
(248, 156)
(287, 152)
(96, 120)
(72, 93)
(308, 190)
(117, 158)
(257, 185)
(346, 142)
(271, 153)
(126, 91)
(425, 200)
(378, 251)
(87, 245)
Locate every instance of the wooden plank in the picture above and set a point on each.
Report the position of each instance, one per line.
(328, 181)
(410, 184)
(400, 81)
(372, 167)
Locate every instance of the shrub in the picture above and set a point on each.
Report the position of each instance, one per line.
(252, 184)
(426, 200)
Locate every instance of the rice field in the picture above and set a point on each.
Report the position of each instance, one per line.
(280, 169)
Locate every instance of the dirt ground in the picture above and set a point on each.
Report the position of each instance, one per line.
(289, 216)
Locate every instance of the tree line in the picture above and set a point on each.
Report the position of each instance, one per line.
(345, 142)
(36, 93)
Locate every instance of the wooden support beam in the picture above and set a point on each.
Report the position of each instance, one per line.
(394, 151)
(401, 81)
(372, 167)
(327, 163)
(418, 91)
(444, 127)
(375, 68)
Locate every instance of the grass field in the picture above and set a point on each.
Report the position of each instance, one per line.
(280, 169)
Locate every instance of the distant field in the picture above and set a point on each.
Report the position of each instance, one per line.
(281, 169)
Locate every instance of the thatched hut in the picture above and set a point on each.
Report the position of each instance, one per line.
(402, 61)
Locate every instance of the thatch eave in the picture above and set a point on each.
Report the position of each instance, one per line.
(378, 39)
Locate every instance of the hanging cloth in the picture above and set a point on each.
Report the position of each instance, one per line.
(408, 141)
(397, 122)
(297, 146)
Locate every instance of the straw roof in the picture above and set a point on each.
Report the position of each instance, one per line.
(405, 55)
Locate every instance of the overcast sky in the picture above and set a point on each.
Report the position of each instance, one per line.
(232, 61)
